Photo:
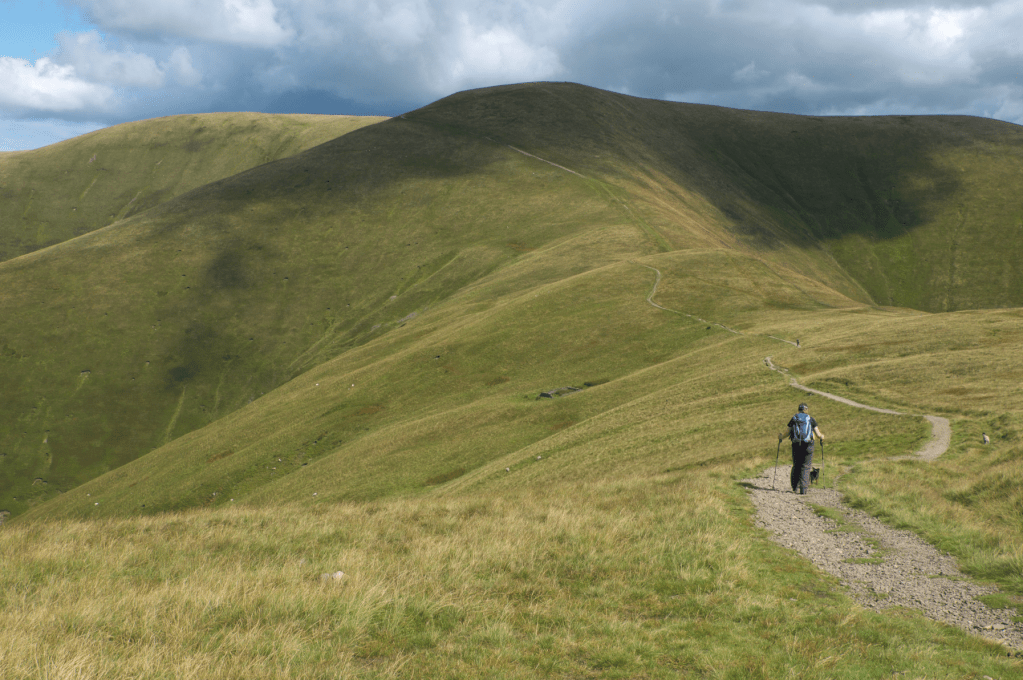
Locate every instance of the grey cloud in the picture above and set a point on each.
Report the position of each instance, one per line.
(386, 56)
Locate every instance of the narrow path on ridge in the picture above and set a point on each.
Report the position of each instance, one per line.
(882, 567)
(941, 428)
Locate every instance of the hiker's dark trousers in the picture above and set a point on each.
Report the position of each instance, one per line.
(802, 463)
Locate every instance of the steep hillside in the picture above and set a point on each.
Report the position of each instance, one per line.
(61, 191)
(434, 272)
(915, 211)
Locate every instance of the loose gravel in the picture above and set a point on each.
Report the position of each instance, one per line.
(881, 566)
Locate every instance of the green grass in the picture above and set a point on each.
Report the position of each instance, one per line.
(331, 361)
(68, 189)
(181, 314)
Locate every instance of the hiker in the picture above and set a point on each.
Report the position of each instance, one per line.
(801, 429)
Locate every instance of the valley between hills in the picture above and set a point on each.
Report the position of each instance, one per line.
(241, 352)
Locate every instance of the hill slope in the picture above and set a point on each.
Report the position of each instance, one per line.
(64, 190)
(435, 270)
(918, 211)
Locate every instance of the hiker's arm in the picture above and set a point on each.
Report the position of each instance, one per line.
(783, 434)
(817, 431)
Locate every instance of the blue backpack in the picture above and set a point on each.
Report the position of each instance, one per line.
(802, 430)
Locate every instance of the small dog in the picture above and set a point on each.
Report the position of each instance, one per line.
(815, 474)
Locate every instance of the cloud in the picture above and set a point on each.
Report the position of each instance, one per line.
(252, 23)
(179, 65)
(750, 73)
(386, 56)
(91, 60)
(46, 86)
(484, 55)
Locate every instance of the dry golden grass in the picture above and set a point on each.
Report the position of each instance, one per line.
(635, 577)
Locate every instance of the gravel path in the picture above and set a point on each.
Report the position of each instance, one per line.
(882, 567)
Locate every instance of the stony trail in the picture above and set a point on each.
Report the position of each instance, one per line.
(882, 567)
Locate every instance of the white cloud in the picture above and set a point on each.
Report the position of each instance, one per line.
(179, 65)
(46, 86)
(750, 73)
(924, 46)
(398, 28)
(91, 60)
(488, 55)
(252, 23)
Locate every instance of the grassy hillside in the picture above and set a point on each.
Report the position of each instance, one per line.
(605, 536)
(332, 362)
(176, 317)
(64, 190)
(918, 212)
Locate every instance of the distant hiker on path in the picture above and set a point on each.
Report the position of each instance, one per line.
(801, 429)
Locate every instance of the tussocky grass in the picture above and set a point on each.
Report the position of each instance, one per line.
(631, 577)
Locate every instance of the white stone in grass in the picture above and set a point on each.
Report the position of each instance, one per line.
(336, 576)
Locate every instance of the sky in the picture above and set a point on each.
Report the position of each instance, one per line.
(68, 67)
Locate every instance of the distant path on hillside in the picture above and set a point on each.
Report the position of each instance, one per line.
(653, 291)
(544, 160)
(941, 429)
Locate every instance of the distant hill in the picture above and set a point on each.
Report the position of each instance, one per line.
(67, 189)
(379, 312)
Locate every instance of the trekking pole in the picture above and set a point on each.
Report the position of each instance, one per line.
(822, 463)
(776, 464)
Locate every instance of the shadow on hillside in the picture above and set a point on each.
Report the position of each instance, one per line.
(776, 177)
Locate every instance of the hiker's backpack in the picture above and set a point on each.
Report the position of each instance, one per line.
(802, 429)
